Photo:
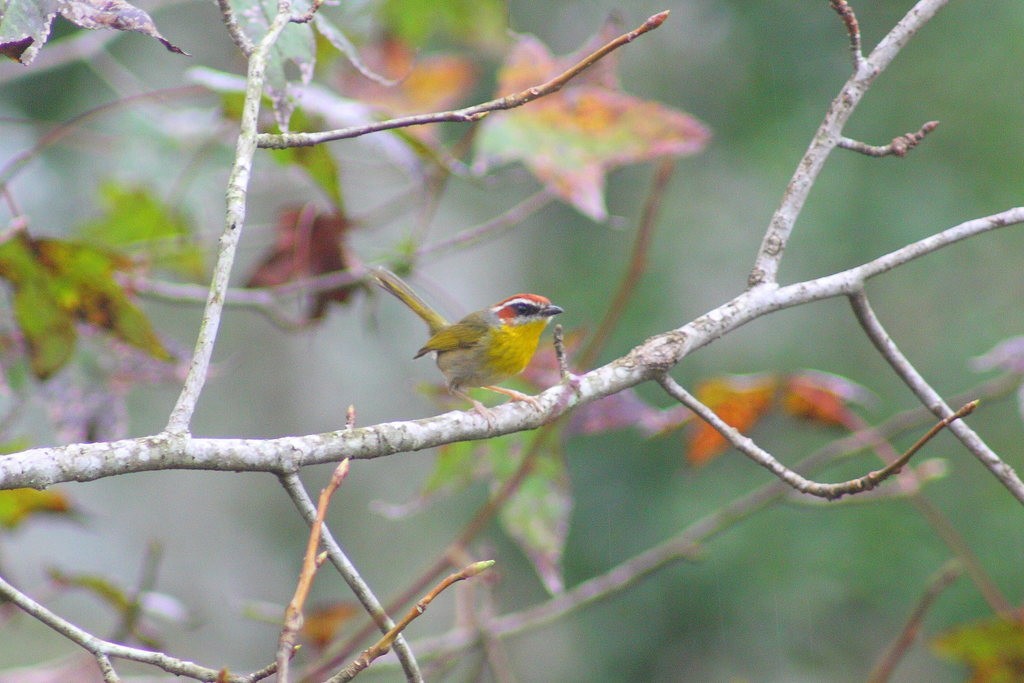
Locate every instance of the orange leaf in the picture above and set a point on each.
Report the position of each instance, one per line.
(425, 82)
(322, 622)
(823, 397)
(740, 400)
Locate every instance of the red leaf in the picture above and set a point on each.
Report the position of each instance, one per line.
(308, 244)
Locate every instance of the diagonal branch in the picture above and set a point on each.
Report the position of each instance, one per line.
(238, 184)
(929, 397)
(468, 114)
(104, 650)
(340, 560)
(293, 485)
(311, 561)
(773, 245)
(943, 578)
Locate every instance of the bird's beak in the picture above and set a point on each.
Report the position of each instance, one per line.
(551, 310)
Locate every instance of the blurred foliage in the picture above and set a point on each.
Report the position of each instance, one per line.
(992, 648)
(57, 284)
(17, 505)
(789, 592)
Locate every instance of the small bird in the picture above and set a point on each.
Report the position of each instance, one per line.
(485, 347)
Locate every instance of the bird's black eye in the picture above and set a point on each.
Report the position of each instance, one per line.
(523, 308)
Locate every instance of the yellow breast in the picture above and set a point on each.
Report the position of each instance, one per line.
(512, 347)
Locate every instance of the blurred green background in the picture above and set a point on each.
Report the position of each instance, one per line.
(796, 593)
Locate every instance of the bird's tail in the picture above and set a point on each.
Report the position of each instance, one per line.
(404, 293)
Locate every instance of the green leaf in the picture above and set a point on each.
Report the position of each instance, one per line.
(462, 462)
(477, 22)
(100, 586)
(571, 139)
(993, 648)
(135, 219)
(57, 284)
(49, 331)
(454, 468)
(537, 516)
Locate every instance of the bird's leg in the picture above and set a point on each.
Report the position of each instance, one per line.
(515, 395)
(479, 407)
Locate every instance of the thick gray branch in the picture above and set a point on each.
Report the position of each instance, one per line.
(85, 462)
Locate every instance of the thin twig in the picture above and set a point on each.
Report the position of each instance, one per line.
(931, 398)
(308, 15)
(559, 342)
(473, 528)
(238, 36)
(884, 667)
(898, 147)
(828, 491)
(845, 12)
(311, 561)
(468, 114)
(265, 301)
(147, 581)
(100, 648)
(942, 527)
(684, 545)
(293, 486)
(492, 228)
(637, 265)
(384, 644)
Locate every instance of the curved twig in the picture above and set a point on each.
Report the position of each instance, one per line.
(898, 147)
(762, 457)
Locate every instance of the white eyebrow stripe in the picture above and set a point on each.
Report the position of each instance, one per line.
(521, 300)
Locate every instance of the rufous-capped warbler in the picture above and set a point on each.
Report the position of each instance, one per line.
(485, 347)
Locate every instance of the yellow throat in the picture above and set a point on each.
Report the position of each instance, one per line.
(512, 346)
